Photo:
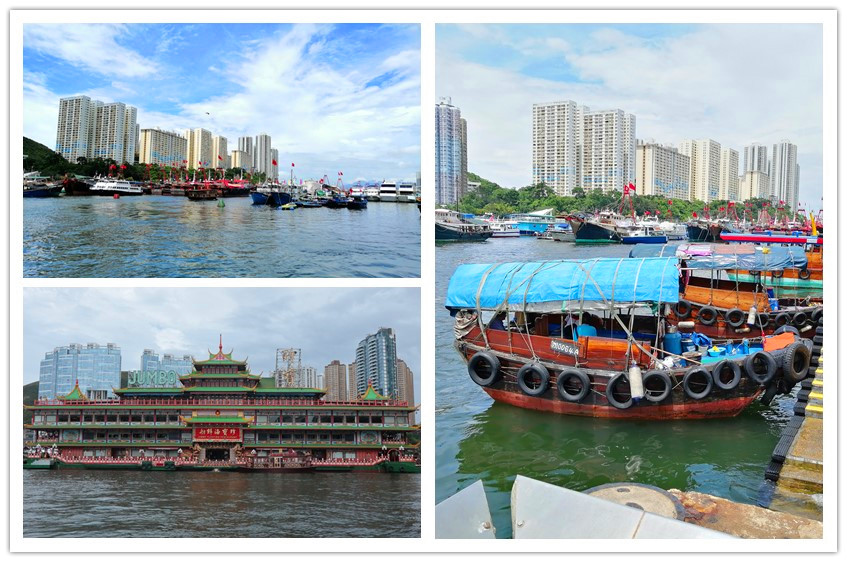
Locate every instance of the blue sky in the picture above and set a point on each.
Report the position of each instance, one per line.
(253, 322)
(734, 83)
(333, 97)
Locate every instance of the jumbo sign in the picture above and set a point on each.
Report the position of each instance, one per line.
(146, 379)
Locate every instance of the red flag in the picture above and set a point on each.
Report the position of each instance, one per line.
(322, 180)
(670, 202)
(340, 174)
(199, 163)
(292, 164)
(185, 161)
(646, 212)
(274, 162)
(694, 214)
(219, 157)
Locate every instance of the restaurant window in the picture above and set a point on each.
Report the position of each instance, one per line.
(376, 419)
(326, 419)
(135, 417)
(87, 417)
(74, 417)
(300, 418)
(314, 419)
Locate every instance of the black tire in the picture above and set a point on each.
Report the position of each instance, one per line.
(781, 319)
(533, 369)
(795, 363)
(804, 274)
(719, 370)
(752, 370)
(777, 274)
(484, 368)
(764, 319)
(666, 384)
(610, 392)
(800, 319)
(738, 319)
(687, 381)
(755, 274)
(711, 315)
(786, 328)
(817, 315)
(769, 394)
(564, 377)
(682, 309)
(817, 340)
(819, 330)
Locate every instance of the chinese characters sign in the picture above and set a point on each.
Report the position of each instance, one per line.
(217, 434)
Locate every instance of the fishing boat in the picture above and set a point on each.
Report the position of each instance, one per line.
(111, 187)
(35, 185)
(458, 227)
(77, 186)
(603, 228)
(337, 201)
(233, 188)
(271, 194)
(577, 337)
(357, 201)
(309, 203)
(201, 192)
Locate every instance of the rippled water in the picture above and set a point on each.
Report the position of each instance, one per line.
(477, 438)
(162, 236)
(81, 503)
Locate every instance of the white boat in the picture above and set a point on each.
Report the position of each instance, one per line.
(504, 229)
(562, 235)
(109, 186)
(406, 192)
(388, 192)
(372, 193)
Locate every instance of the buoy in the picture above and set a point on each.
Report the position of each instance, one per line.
(636, 384)
(221, 203)
(116, 196)
(751, 316)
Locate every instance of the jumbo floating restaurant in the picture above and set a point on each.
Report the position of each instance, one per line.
(223, 417)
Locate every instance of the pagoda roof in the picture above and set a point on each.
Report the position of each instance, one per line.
(74, 394)
(221, 358)
(216, 419)
(372, 394)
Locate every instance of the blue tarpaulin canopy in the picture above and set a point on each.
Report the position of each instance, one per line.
(726, 256)
(550, 286)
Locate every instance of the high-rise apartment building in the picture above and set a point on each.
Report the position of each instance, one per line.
(705, 175)
(163, 148)
(756, 158)
(785, 175)
(728, 186)
(752, 185)
(451, 153)
(199, 148)
(352, 393)
(608, 150)
(335, 378)
(262, 154)
(308, 378)
(241, 159)
(96, 368)
(376, 363)
(245, 144)
(557, 130)
(93, 129)
(406, 386)
(661, 170)
(220, 155)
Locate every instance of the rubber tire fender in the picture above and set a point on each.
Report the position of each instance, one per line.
(736, 374)
(769, 394)
(763, 319)
(686, 383)
(662, 376)
(610, 393)
(804, 274)
(734, 323)
(538, 369)
(493, 363)
(682, 309)
(786, 328)
(800, 319)
(777, 273)
(767, 377)
(817, 314)
(568, 374)
(789, 373)
(781, 319)
(711, 319)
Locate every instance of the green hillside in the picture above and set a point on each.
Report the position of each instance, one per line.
(30, 394)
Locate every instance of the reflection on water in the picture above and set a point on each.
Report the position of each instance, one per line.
(161, 236)
(80, 503)
(477, 438)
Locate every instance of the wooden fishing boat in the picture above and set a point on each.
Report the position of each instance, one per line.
(577, 337)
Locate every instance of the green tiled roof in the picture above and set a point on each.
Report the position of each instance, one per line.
(75, 394)
(372, 394)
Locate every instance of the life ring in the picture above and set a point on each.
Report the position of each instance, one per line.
(764, 319)
(736, 322)
(535, 370)
(610, 393)
(800, 319)
(817, 314)
(750, 367)
(781, 319)
(484, 368)
(688, 379)
(564, 377)
(720, 369)
(682, 309)
(804, 273)
(786, 328)
(710, 317)
(666, 384)
(795, 363)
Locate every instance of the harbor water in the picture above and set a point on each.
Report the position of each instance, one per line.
(477, 438)
(163, 236)
(107, 503)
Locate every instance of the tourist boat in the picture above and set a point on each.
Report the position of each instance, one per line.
(222, 417)
(406, 192)
(504, 229)
(568, 337)
(724, 308)
(271, 194)
(457, 227)
(372, 193)
(111, 187)
(202, 192)
(388, 192)
(644, 235)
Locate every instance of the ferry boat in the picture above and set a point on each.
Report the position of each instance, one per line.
(372, 192)
(406, 192)
(569, 337)
(110, 187)
(454, 226)
(223, 417)
(388, 192)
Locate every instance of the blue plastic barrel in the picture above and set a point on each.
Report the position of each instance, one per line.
(673, 343)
